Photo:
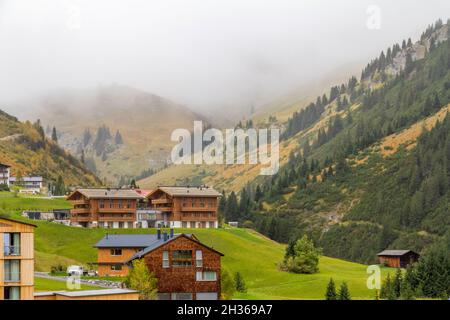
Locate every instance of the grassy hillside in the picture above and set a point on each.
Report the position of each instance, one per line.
(248, 252)
(24, 147)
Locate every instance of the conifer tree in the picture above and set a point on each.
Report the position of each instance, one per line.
(240, 283)
(330, 293)
(54, 135)
(344, 293)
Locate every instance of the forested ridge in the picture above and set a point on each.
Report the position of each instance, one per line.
(26, 148)
(338, 187)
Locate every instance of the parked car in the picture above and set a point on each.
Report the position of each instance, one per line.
(75, 271)
(92, 273)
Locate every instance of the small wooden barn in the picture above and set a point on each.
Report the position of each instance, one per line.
(397, 258)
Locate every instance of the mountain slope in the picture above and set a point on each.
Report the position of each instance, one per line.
(144, 122)
(376, 176)
(24, 147)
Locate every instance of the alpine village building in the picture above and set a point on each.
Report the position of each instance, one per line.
(16, 260)
(174, 207)
(185, 268)
(5, 172)
(397, 258)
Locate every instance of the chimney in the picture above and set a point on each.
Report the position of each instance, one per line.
(158, 233)
(171, 232)
(165, 236)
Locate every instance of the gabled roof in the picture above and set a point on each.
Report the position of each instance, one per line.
(394, 252)
(17, 221)
(126, 241)
(107, 194)
(158, 244)
(4, 165)
(143, 192)
(188, 191)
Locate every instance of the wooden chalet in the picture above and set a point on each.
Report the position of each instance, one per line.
(186, 269)
(185, 207)
(109, 208)
(397, 258)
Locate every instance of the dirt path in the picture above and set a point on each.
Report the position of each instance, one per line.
(11, 137)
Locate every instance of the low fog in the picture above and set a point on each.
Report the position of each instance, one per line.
(211, 55)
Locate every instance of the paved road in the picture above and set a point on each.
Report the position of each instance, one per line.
(92, 282)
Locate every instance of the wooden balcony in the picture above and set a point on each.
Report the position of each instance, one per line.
(194, 218)
(80, 218)
(117, 217)
(80, 210)
(161, 201)
(198, 209)
(116, 210)
(78, 202)
(162, 209)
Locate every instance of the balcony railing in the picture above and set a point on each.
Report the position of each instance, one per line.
(12, 276)
(203, 209)
(12, 250)
(116, 209)
(161, 201)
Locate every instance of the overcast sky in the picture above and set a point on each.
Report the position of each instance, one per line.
(202, 53)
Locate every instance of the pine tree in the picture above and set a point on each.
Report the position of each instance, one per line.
(331, 294)
(231, 208)
(344, 293)
(397, 283)
(118, 138)
(258, 193)
(239, 283)
(54, 135)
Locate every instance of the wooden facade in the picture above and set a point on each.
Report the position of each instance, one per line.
(397, 258)
(186, 207)
(111, 261)
(184, 277)
(16, 260)
(103, 208)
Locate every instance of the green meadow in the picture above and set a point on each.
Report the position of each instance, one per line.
(253, 255)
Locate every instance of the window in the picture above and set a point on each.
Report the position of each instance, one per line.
(182, 258)
(11, 242)
(101, 204)
(181, 296)
(12, 270)
(166, 259)
(116, 267)
(199, 258)
(206, 276)
(116, 252)
(163, 296)
(184, 224)
(120, 204)
(128, 204)
(110, 204)
(120, 225)
(11, 293)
